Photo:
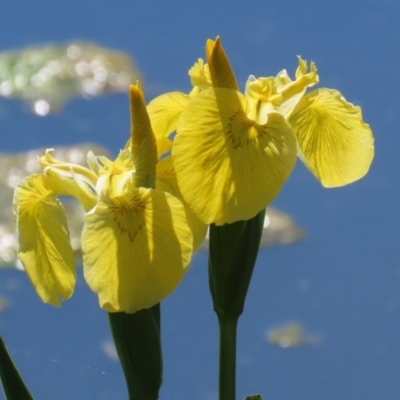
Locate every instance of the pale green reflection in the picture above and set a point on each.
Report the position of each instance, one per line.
(290, 335)
(47, 76)
(279, 228)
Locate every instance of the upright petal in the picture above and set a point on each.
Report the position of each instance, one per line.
(166, 181)
(335, 144)
(44, 244)
(228, 166)
(164, 112)
(115, 174)
(200, 75)
(164, 145)
(149, 246)
(292, 91)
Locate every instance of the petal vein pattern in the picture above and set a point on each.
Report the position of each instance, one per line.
(44, 247)
(164, 112)
(149, 246)
(334, 142)
(228, 166)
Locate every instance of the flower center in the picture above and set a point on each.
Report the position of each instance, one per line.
(242, 130)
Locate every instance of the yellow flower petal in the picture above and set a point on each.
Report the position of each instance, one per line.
(67, 169)
(200, 75)
(70, 179)
(44, 244)
(145, 248)
(164, 112)
(166, 181)
(62, 185)
(228, 166)
(115, 174)
(335, 144)
(221, 72)
(292, 91)
(164, 145)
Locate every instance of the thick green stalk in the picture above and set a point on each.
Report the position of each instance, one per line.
(138, 343)
(233, 254)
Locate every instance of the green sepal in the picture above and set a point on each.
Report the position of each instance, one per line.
(138, 343)
(233, 254)
(13, 386)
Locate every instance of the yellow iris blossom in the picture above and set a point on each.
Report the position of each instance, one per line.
(233, 151)
(136, 241)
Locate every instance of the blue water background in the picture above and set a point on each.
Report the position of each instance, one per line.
(342, 282)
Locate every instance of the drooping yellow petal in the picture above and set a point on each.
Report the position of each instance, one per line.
(148, 248)
(335, 144)
(228, 166)
(44, 244)
(164, 112)
(143, 142)
(221, 72)
(166, 181)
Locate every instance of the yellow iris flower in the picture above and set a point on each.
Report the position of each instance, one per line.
(233, 151)
(136, 241)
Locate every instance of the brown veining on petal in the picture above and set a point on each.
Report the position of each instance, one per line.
(242, 131)
(128, 214)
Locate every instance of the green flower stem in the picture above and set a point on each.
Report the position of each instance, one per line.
(137, 340)
(227, 356)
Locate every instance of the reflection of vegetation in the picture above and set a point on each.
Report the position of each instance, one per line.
(279, 228)
(291, 335)
(48, 76)
(3, 304)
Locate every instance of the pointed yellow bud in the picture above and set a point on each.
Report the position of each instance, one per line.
(220, 69)
(143, 142)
